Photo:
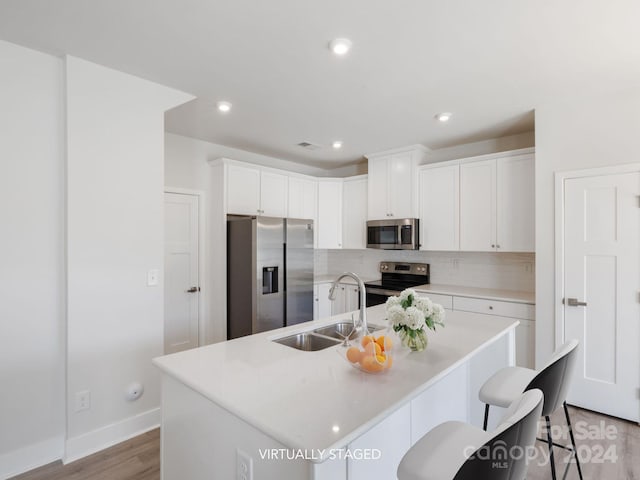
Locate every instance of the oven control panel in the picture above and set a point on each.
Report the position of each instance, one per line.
(410, 268)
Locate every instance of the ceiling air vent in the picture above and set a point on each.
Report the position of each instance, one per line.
(309, 146)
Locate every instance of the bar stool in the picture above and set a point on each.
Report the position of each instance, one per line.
(459, 451)
(507, 383)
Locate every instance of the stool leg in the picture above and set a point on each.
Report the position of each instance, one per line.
(573, 441)
(486, 416)
(550, 442)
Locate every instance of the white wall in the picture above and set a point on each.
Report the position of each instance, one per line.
(582, 131)
(493, 145)
(186, 157)
(31, 259)
(115, 234)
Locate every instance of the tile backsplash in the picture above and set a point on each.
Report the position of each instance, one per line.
(510, 271)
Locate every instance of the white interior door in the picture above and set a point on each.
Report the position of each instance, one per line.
(181, 286)
(602, 269)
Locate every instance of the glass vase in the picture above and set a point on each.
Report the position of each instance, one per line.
(416, 340)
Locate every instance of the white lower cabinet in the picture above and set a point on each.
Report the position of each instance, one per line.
(321, 304)
(346, 300)
(523, 312)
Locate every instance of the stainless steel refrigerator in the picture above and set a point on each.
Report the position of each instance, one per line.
(269, 273)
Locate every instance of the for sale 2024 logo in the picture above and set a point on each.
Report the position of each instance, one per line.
(598, 446)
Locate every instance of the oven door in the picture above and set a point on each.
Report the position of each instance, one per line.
(378, 296)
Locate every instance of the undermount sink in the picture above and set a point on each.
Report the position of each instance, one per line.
(308, 342)
(341, 329)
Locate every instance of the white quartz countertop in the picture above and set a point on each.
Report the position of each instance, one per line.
(487, 293)
(316, 400)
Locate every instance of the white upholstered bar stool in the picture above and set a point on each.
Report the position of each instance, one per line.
(459, 451)
(554, 379)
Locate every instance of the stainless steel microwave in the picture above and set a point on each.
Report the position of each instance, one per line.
(397, 234)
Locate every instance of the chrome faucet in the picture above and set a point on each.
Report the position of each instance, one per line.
(362, 321)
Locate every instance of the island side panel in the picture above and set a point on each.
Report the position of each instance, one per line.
(499, 354)
(199, 441)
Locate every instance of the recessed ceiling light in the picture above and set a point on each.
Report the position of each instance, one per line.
(223, 107)
(444, 117)
(337, 144)
(340, 46)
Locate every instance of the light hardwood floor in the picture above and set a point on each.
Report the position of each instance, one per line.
(139, 458)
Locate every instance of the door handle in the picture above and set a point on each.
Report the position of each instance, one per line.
(193, 290)
(573, 302)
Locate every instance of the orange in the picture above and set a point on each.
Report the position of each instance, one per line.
(384, 342)
(372, 349)
(367, 339)
(354, 354)
(369, 364)
(381, 359)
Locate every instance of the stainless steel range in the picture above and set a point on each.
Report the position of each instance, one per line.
(395, 278)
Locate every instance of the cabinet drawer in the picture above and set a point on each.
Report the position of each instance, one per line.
(491, 307)
(445, 300)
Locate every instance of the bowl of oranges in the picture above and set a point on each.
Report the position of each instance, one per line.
(373, 353)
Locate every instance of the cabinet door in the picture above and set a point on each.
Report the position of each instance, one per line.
(339, 304)
(439, 195)
(400, 186)
(330, 214)
(478, 206)
(354, 214)
(243, 190)
(303, 198)
(273, 194)
(352, 297)
(515, 204)
(323, 308)
(377, 185)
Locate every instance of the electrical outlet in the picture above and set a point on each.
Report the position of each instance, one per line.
(455, 263)
(528, 267)
(244, 466)
(153, 277)
(83, 400)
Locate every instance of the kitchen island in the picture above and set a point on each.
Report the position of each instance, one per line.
(253, 404)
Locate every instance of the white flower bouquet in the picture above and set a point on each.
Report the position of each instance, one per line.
(410, 316)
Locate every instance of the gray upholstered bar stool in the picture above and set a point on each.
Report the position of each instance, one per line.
(459, 451)
(508, 383)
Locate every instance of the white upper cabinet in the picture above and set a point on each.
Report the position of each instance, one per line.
(392, 185)
(478, 206)
(252, 191)
(329, 227)
(273, 194)
(243, 190)
(439, 208)
(354, 213)
(303, 198)
(515, 204)
(497, 204)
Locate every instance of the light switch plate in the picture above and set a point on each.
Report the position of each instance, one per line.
(153, 277)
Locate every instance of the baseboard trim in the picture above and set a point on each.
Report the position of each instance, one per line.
(30, 457)
(109, 435)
